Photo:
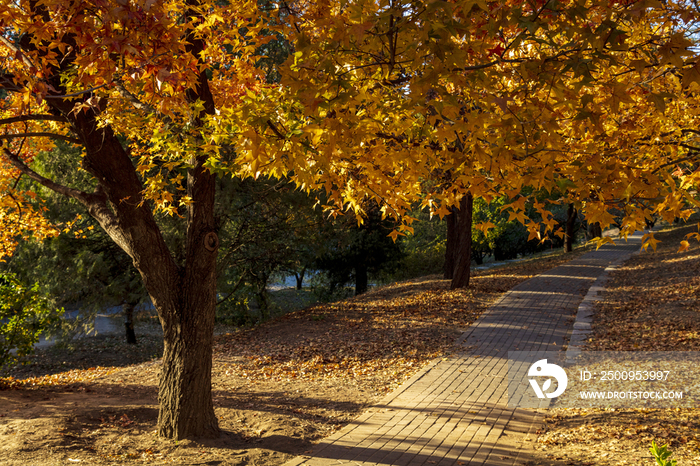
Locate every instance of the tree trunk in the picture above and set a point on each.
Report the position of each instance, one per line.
(300, 278)
(451, 244)
(462, 269)
(129, 323)
(594, 231)
(184, 388)
(361, 279)
(570, 224)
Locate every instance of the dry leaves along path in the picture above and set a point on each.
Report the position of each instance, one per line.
(651, 303)
(454, 411)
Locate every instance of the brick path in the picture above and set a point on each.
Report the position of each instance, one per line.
(454, 411)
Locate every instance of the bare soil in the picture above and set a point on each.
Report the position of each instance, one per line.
(278, 387)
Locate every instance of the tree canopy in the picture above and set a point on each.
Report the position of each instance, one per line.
(393, 101)
(596, 101)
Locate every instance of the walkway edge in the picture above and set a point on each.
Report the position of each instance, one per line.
(584, 317)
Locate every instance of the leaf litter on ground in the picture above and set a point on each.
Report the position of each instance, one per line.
(278, 387)
(651, 303)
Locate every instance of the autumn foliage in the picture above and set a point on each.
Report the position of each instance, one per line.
(399, 101)
(396, 101)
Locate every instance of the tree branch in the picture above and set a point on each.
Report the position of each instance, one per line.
(17, 119)
(24, 169)
(16, 49)
(96, 203)
(74, 94)
(40, 134)
(274, 129)
(7, 82)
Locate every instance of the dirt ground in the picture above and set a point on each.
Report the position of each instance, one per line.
(278, 387)
(281, 386)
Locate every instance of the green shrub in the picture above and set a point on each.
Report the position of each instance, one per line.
(235, 310)
(24, 316)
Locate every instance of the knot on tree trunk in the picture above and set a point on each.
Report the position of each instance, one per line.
(211, 241)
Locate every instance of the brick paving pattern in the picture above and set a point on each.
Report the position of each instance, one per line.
(454, 411)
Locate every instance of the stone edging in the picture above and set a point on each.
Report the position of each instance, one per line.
(584, 316)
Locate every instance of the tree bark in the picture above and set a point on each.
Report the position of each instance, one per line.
(462, 269)
(184, 389)
(451, 244)
(129, 323)
(361, 278)
(570, 224)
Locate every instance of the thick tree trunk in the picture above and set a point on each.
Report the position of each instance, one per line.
(570, 224)
(361, 279)
(187, 315)
(451, 245)
(129, 323)
(184, 389)
(462, 269)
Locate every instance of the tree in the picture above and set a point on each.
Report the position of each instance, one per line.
(352, 252)
(459, 243)
(135, 86)
(463, 250)
(503, 95)
(376, 101)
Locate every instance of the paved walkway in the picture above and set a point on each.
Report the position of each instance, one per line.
(454, 411)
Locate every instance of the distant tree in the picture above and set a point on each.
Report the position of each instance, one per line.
(507, 237)
(459, 243)
(265, 227)
(353, 252)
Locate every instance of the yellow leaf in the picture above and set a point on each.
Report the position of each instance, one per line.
(395, 234)
(649, 240)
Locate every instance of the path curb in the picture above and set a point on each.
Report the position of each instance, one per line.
(586, 310)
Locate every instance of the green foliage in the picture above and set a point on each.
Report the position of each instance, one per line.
(661, 455)
(24, 316)
(325, 291)
(354, 252)
(509, 238)
(265, 227)
(82, 266)
(423, 251)
(234, 310)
